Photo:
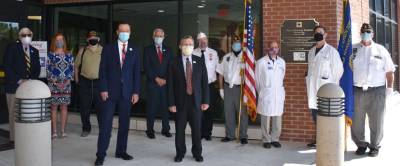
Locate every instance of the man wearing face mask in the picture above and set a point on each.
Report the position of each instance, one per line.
(157, 57)
(119, 84)
(188, 96)
(373, 78)
(87, 65)
(230, 80)
(21, 63)
(270, 72)
(210, 58)
(324, 66)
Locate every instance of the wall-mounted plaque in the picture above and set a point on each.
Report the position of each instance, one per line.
(297, 37)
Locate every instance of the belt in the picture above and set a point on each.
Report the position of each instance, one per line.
(371, 87)
(88, 78)
(228, 84)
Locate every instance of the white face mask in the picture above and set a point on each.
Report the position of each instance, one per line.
(158, 40)
(26, 40)
(187, 50)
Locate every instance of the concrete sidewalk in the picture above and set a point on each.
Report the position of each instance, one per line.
(77, 151)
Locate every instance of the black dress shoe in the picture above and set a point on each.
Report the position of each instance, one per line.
(207, 138)
(99, 161)
(178, 159)
(276, 144)
(312, 145)
(124, 156)
(199, 159)
(226, 139)
(150, 135)
(244, 141)
(267, 145)
(361, 151)
(373, 152)
(166, 134)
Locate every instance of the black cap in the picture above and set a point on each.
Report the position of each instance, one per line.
(366, 28)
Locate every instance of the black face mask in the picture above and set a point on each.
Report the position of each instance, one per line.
(93, 42)
(318, 37)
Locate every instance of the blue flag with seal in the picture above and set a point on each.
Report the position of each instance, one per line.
(345, 49)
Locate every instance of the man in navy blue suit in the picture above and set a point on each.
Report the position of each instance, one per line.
(188, 96)
(157, 57)
(21, 63)
(119, 77)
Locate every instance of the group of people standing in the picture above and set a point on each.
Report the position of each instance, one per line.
(373, 76)
(188, 85)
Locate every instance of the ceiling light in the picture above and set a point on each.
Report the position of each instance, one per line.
(160, 11)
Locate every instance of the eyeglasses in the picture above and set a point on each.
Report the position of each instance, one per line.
(26, 35)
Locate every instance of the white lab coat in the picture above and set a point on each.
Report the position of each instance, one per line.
(325, 67)
(269, 84)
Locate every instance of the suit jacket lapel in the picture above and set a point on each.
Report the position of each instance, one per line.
(116, 51)
(180, 67)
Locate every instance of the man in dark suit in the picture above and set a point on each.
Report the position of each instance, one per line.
(188, 96)
(119, 78)
(21, 63)
(157, 57)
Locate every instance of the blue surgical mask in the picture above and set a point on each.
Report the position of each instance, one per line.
(59, 44)
(123, 36)
(236, 47)
(158, 40)
(366, 37)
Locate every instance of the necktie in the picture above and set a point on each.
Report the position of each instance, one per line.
(202, 55)
(189, 89)
(160, 54)
(123, 54)
(27, 60)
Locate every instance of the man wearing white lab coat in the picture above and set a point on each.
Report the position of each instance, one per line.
(270, 72)
(324, 66)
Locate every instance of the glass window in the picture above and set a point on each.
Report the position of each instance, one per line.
(220, 20)
(145, 17)
(372, 20)
(378, 6)
(34, 21)
(372, 4)
(395, 41)
(386, 7)
(380, 30)
(393, 10)
(76, 21)
(388, 35)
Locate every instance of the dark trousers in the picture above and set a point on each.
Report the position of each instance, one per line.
(208, 115)
(183, 115)
(157, 102)
(108, 107)
(89, 96)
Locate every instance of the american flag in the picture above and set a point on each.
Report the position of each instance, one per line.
(249, 88)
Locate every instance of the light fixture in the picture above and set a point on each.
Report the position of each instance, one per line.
(160, 11)
(201, 6)
(34, 17)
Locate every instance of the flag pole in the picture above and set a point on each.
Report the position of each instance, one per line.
(241, 77)
(240, 104)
